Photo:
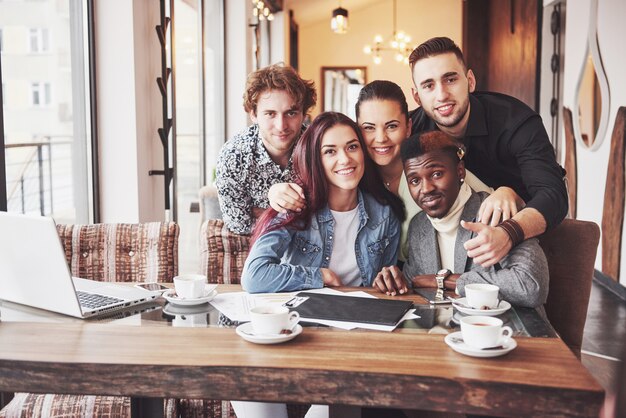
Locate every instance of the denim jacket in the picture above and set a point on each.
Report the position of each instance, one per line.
(288, 259)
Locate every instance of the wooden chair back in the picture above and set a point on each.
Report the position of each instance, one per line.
(570, 249)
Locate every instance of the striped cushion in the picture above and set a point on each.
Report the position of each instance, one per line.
(122, 252)
(222, 253)
(106, 252)
(61, 406)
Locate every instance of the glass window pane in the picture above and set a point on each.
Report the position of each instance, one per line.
(199, 112)
(47, 140)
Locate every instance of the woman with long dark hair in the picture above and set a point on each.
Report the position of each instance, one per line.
(347, 232)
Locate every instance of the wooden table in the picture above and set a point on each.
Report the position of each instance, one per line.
(402, 369)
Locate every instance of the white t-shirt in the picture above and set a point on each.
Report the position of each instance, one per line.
(343, 257)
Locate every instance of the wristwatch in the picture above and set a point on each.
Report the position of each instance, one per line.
(441, 276)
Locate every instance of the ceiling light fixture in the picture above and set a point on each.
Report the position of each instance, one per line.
(400, 44)
(339, 22)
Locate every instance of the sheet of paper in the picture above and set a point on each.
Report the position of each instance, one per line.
(236, 306)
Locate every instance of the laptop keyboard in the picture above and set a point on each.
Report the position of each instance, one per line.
(94, 300)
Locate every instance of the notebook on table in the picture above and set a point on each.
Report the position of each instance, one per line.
(349, 308)
(34, 272)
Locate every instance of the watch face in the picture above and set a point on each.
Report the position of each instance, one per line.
(442, 272)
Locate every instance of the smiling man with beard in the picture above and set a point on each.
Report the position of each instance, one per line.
(435, 170)
(506, 144)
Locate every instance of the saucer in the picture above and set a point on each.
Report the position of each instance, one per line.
(461, 347)
(209, 293)
(502, 308)
(245, 332)
(173, 309)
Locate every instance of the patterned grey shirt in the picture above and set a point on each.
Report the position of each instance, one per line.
(245, 172)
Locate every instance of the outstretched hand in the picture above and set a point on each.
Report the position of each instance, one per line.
(489, 246)
(286, 196)
(501, 205)
(390, 281)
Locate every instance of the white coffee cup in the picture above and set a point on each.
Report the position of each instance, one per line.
(272, 319)
(190, 286)
(484, 331)
(479, 295)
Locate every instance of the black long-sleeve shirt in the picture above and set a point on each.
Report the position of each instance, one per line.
(507, 145)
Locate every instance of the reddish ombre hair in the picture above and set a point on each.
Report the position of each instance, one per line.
(309, 174)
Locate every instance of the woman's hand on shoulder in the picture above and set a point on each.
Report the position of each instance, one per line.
(501, 205)
(284, 197)
(390, 281)
(330, 278)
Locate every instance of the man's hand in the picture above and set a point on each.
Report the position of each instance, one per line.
(330, 278)
(390, 281)
(501, 205)
(489, 246)
(286, 196)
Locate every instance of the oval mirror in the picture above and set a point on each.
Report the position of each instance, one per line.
(592, 100)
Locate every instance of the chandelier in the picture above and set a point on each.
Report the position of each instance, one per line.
(399, 44)
(261, 11)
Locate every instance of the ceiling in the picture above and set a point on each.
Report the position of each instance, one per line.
(307, 12)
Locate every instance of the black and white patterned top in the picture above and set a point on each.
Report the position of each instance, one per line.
(245, 172)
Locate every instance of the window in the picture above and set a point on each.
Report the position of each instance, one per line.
(40, 94)
(39, 40)
(199, 110)
(46, 142)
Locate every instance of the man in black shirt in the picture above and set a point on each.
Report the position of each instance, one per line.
(507, 148)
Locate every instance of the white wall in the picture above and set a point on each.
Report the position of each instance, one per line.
(592, 165)
(129, 111)
(421, 19)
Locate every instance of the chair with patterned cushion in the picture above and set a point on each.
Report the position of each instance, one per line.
(570, 249)
(145, 252)
(222, 256)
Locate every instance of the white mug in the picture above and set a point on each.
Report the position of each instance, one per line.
(484, 331)
(479, 295)
(271, 319)
(190, 286)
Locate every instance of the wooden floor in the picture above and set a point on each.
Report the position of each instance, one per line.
(605, 337)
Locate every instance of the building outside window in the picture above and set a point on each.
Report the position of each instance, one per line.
(40, 94)
(39, 40)
(47, 140)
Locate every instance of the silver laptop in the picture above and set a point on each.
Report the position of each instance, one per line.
(33, 272)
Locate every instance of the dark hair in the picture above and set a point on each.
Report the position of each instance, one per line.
(382, 90)
(309, 172)
(279, 77)
(433, 47)
(419, 144)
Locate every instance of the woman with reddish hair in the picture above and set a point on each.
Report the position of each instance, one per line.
(349, 229)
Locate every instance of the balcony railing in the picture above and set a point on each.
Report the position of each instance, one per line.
(35, 182)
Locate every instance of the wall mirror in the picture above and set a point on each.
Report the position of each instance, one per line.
(341, 87)
(592, 99)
